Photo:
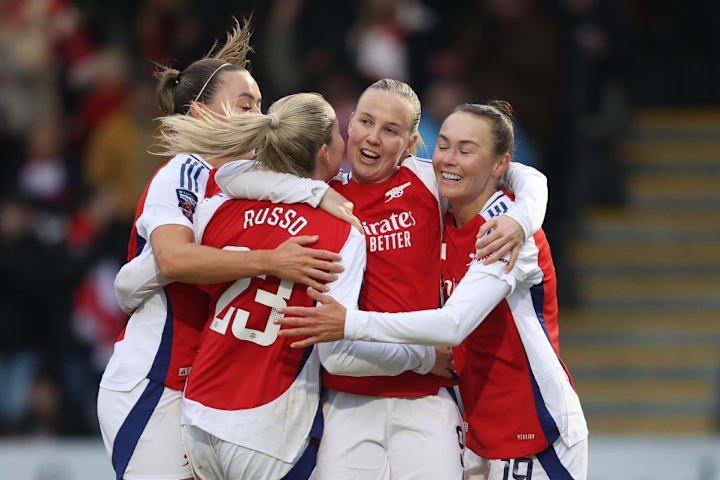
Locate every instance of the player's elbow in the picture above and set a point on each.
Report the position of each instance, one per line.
(123, 291)
(334, 365)
(336, 361)
(333, 368)
(171, 266)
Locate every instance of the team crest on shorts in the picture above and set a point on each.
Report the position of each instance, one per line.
(187, 201)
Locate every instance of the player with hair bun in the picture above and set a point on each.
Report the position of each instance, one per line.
(525, 419)
(140, 390)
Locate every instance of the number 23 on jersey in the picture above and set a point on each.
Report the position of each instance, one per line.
(239, 317)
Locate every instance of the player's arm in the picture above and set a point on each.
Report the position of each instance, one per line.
(450, 325)
(521, 221)
(364, 358)
(176, 258)
(181, 259)
(167, 220)
(246, 179)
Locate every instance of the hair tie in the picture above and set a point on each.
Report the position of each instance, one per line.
(274, 120)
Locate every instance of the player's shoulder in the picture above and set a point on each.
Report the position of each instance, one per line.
(188, 160)
(187, 171)
(418, 165)
(422, 169)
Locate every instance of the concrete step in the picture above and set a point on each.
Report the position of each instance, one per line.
(644, 422)
(649, 287)
(644, 350)
(641, 152)
(652, 391)
(651, 225)
(672, 190)
(679, 118)
(632, 322)
(614, 356)
(591, 254)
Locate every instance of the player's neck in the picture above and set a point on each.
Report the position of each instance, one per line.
(465, 210)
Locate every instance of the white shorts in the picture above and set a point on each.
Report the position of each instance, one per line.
(556, 463)
(141, 432)
(214, 459)
(374, 438)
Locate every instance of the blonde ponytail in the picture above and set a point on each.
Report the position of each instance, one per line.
(287, 139)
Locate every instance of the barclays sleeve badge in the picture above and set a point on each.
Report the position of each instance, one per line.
(187, 201)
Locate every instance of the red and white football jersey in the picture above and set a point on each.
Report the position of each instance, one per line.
(517, 394)
(514, 352)
(161, 337)
(247, 386)
(401, 219)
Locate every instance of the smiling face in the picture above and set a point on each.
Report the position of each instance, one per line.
(238, 89)
(466, 167)
(379, 136)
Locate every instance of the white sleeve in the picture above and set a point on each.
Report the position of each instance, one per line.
(477, 294)
(531, 197)
(173, 195)
(137, 280)
(245, 179)
(365, 358)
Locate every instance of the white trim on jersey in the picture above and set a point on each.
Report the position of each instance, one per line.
(464, 311)
(133, 356)
(279, 428)
(205, 212)
(171, 198)
(247, 179)
(181, 182)
(423, 169)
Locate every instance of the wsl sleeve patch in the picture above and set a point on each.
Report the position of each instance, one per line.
(187, 201)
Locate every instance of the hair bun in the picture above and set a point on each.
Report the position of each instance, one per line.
(503, 107)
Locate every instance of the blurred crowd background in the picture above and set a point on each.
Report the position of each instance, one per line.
(76, 120)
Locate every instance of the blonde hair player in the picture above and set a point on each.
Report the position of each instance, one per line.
(250, 399)
(525, 419)
(406, 426)
(139, 395)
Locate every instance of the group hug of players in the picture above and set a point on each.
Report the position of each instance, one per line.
(275, 335)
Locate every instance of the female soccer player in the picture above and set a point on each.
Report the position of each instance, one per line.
(525, 419)
(139, 396)
(409, 424)
(250, 400)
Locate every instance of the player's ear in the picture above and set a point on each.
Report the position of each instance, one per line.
(323, 155)
(410, 145)
(501, 166)
(193, 110)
